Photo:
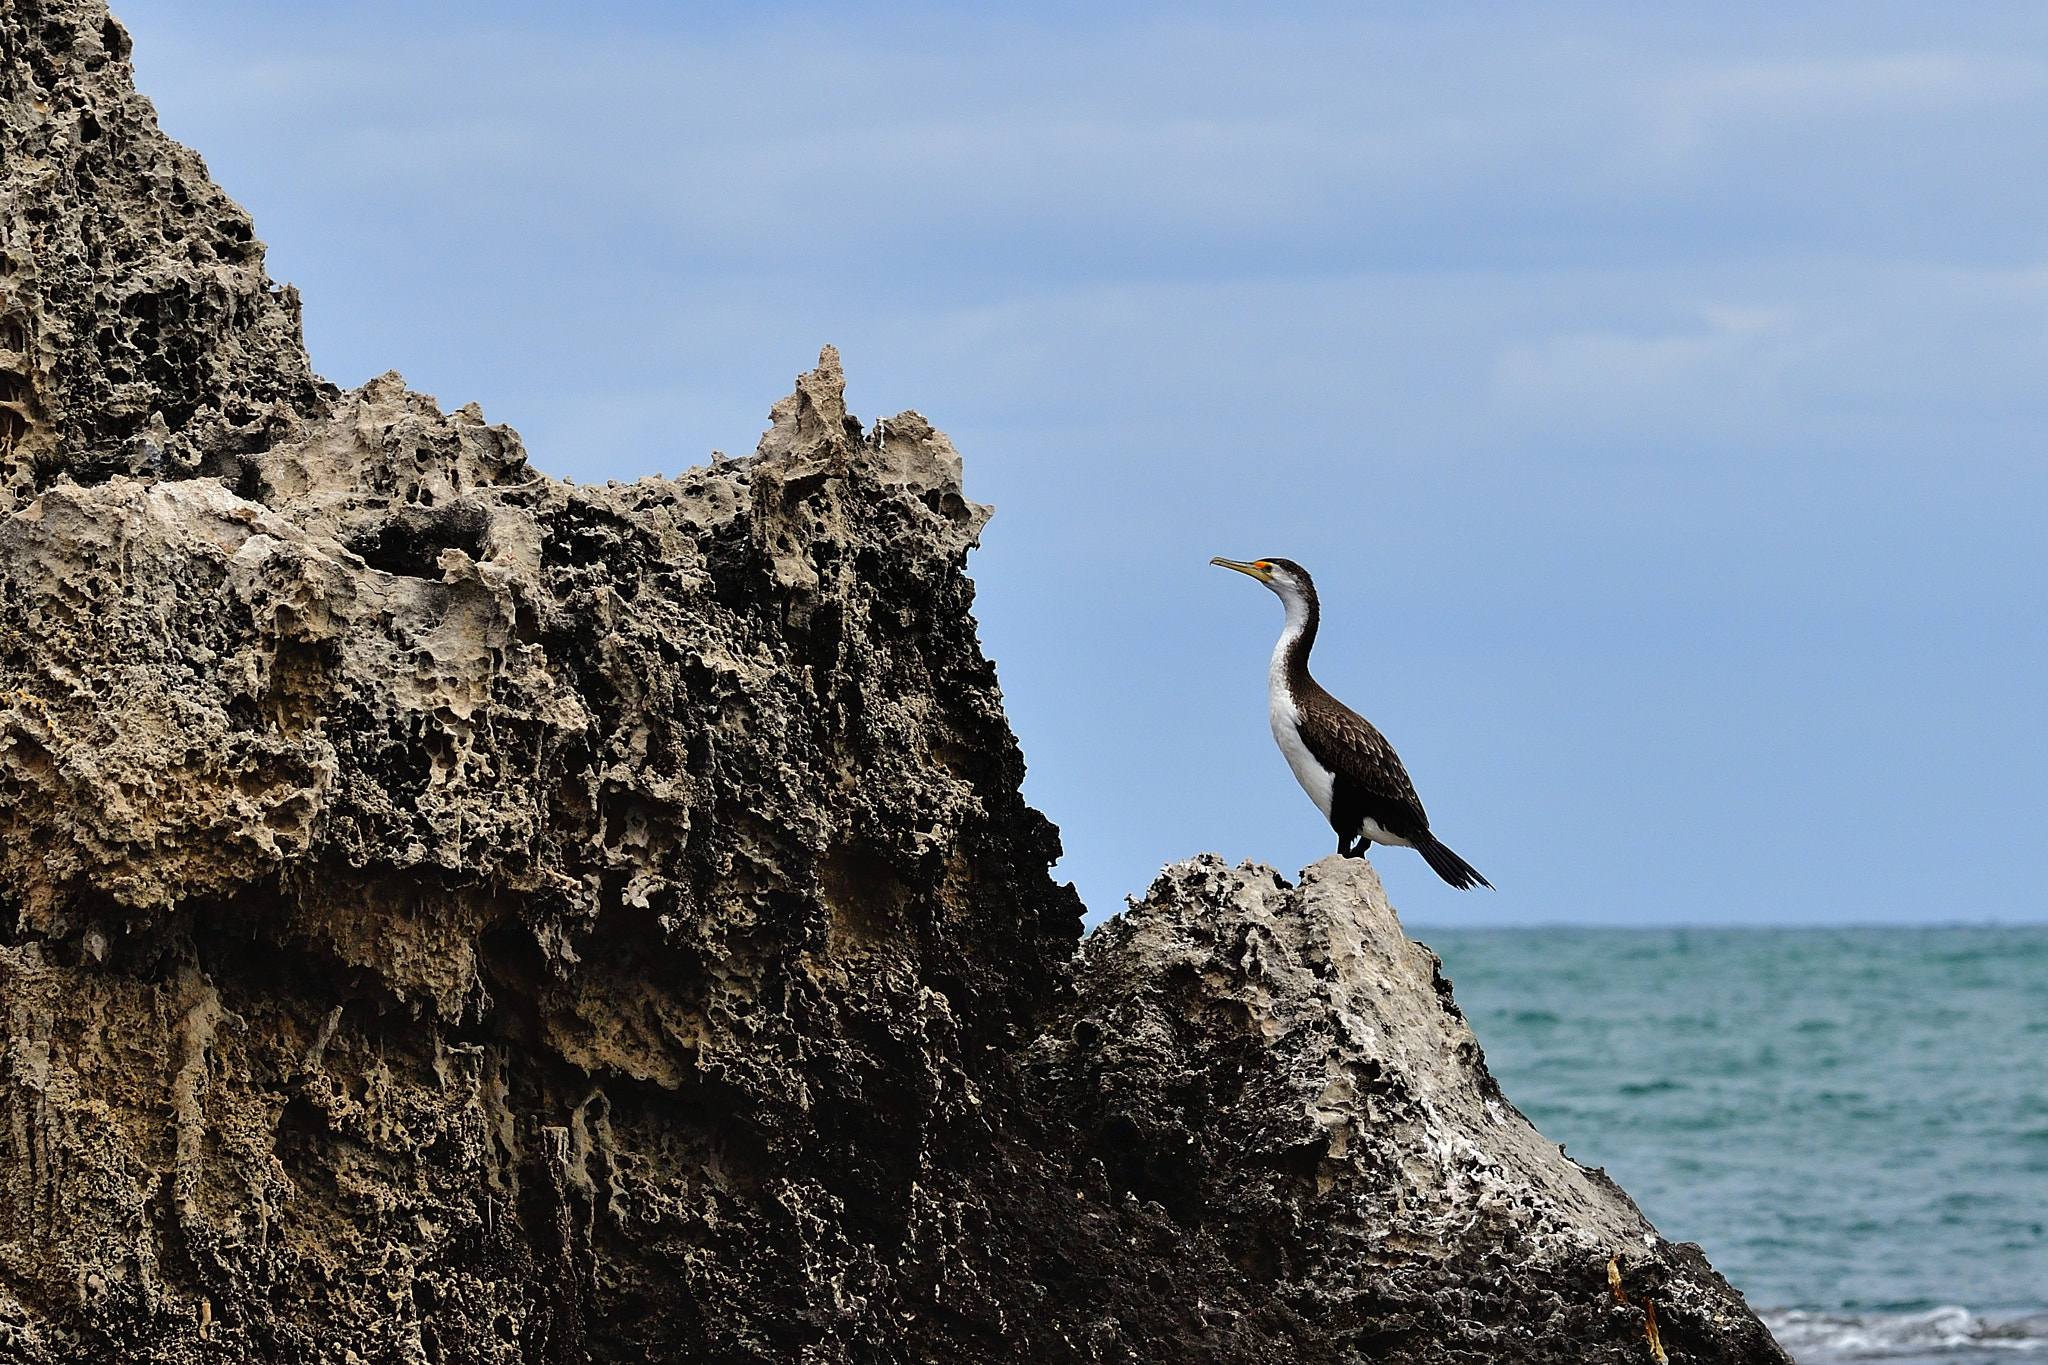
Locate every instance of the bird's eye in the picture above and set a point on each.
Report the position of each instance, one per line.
(1262, 564)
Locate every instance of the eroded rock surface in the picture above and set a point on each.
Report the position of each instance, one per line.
(133, 302)
(1282, 1068)
(447, 914)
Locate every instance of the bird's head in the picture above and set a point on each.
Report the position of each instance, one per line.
(1288, 580)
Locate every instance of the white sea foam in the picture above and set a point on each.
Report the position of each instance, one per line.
(1947, 1334)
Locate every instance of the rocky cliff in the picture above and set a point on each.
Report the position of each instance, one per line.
(447, 914)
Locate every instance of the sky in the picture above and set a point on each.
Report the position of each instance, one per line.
(1656, 392)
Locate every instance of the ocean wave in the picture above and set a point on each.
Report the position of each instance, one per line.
(1948, 1334)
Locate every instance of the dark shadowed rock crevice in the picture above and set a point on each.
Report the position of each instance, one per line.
(449, 914)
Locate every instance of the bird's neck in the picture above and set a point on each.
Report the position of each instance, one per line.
(1297, 638)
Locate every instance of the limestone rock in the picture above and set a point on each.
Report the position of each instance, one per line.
(448, 914)
(1281, 1068)
(133, 301)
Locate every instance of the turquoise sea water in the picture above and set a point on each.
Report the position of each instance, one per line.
(1852, 1122)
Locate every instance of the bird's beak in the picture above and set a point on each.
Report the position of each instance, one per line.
(1263, 575)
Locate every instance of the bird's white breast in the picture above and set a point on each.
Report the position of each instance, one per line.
(1315, 779)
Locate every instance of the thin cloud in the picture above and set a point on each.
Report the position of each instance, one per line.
(1598, 355)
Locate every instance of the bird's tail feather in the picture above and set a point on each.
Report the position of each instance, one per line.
(1449, 865)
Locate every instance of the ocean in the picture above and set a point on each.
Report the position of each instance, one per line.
(1852, 1122)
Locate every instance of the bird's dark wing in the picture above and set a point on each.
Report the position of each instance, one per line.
(1349, 745)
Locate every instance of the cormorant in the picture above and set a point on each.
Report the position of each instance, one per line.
(1345, 765)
